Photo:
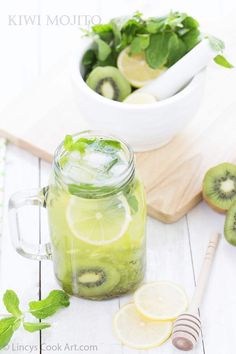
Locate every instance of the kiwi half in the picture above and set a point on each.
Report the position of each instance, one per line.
(95, 279)
(107, 81)
(230, 225)
(219, 186)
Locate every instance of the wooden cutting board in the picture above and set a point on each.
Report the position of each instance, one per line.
(39, 119)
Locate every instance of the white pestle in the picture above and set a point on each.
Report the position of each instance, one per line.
(178, 75)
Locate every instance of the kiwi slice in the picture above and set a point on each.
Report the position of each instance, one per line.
(107, 81)
(219, 186)
(230, 225)
(95, 279)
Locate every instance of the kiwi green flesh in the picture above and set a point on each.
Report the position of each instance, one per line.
(230, 225)
(219, 186)
(109, 82)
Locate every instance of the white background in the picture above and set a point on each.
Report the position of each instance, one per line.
(174, 251)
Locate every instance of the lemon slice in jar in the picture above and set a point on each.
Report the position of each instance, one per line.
(135, 68)
(98, 221)
(138, 332)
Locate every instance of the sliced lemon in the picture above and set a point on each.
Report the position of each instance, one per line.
(163, 301)
(135, 68)
(140, 98)
(137, 332)
(98, 221)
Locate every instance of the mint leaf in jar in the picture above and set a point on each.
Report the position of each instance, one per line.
(133, 203)
(68, 143)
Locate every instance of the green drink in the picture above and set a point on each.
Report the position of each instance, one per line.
(97, 216)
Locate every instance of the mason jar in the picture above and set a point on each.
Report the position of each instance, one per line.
(97, 217)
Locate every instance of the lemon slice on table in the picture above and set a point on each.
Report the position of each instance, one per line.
(163, 301)
(137, 332)
(98, 221)
(135, 68)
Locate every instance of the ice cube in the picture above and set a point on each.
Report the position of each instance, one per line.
(79, 173)
(118, 169)
(98, 160)
(74, 157)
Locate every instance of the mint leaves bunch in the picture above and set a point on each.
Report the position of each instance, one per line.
(96, 144)
(41, 309)
(164, 40)
(82, 144)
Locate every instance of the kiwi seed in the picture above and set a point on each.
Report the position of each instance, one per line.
(92, 277)
(108, 88)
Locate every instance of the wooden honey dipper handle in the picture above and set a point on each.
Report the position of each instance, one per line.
(204, 273)
(187, 326)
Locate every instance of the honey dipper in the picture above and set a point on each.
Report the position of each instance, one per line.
(187, 326)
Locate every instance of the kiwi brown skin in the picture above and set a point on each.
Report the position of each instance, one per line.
(230, 225)
(220, 200)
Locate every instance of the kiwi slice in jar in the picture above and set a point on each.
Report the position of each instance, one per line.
(92, 280)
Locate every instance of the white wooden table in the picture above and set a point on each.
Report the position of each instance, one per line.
(174, 251)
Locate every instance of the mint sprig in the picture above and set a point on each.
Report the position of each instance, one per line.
(56, 300)
(164, 40)
(80, 144)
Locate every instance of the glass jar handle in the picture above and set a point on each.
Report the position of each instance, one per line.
(37, 197)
